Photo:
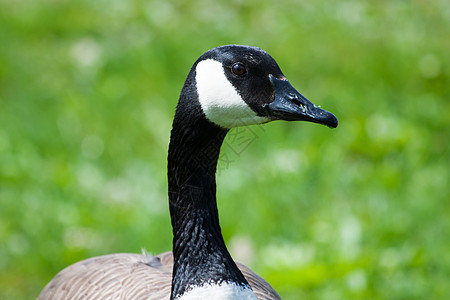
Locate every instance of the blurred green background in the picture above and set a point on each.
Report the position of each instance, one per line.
(87, 94)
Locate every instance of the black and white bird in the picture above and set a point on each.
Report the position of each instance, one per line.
(227, 86)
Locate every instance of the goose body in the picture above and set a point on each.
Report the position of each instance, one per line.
(227, 86)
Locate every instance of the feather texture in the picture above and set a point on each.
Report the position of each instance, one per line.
(129, 276)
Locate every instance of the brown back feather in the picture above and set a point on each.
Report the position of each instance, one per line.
(129, 276)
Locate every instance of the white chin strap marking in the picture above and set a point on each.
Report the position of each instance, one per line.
(219, 100)
(219, 292)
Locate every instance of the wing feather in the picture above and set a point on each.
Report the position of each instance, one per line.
(129, 276)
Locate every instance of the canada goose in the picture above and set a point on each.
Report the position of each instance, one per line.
(227, 86)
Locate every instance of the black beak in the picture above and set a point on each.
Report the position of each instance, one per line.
(290, 105)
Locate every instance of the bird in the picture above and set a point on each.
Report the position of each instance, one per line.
(228, 86)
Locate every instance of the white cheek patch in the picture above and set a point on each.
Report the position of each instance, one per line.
(219, 100)
(219, 292)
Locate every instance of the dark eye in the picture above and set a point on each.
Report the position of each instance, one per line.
(238, 69)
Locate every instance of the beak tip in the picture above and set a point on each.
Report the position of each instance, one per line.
(323, 117)
(333, 122)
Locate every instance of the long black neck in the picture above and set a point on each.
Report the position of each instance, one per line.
(200, 254)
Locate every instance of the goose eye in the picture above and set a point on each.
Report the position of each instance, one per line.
(238, 69)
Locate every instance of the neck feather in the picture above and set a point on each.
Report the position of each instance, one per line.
(200, 254)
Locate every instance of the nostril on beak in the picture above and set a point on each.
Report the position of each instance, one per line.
(294, 99)
(292, 96)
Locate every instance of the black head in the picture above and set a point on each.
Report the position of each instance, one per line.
(242, 85)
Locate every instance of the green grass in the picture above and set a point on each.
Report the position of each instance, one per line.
(87, 94)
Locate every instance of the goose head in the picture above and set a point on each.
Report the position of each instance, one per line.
(242, 85)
